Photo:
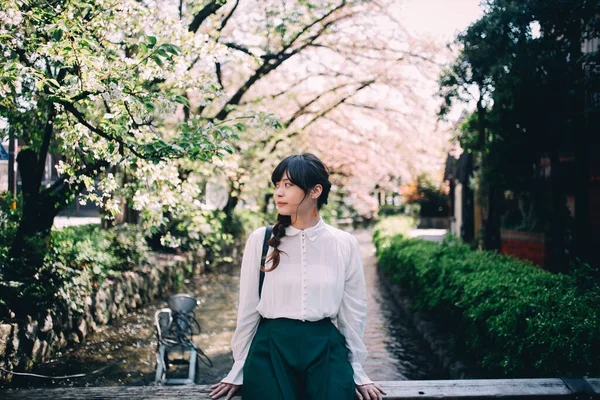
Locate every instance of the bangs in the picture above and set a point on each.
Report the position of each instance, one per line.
(297, 171)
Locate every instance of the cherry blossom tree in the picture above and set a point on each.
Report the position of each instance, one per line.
(100, 82)
(344, 78)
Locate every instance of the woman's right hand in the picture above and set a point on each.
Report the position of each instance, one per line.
(221, 388)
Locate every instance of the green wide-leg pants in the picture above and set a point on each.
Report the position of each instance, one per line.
(293, 360)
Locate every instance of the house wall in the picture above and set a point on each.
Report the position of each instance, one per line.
(458, 205)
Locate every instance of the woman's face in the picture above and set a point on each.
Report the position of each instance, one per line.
(288, 196)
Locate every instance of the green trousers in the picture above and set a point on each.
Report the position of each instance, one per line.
(293, 360)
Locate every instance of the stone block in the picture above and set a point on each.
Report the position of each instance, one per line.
(137, 301)
(31, 329)
(5, 332)
(53, 346)
(127, 287)
(36, 350)
(82, 329)
(15, 342)
(43, 355)
(62, 340)
(121, 309)
(101, 311)
(118, 293)
(48, 324)
(87, 305)
(73, 338)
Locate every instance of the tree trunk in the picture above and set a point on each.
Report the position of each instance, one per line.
(232, 199)
(130, 216)
(468, 203)
(491, 239)
(37, 217)
(32, 239)
(491, 221)
(265, 207)
(583, 121)
(232, 202)
(557, 217)
(582, 191)
(582, 138)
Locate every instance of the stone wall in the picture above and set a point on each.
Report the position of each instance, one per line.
(36, 339)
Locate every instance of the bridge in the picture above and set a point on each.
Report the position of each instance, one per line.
(549, 388)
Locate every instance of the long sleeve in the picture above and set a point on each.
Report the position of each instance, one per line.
(352, 314)
(247, 317)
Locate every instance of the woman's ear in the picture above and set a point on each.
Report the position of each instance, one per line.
(316, 191)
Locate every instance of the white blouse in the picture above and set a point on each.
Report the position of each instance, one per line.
(320, 275)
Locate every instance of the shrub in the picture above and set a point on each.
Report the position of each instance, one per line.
(84, 256)
(79, 258)
(129, 246)
(510, 318)
(9, 219)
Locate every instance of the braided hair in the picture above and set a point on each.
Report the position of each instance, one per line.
(305, 171)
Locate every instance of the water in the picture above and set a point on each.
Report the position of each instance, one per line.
(124, 353)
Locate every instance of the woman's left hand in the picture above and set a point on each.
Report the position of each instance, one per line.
(369, 391)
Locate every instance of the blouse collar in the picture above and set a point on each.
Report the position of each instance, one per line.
(313, 232)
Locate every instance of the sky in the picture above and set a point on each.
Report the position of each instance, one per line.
(439, 19)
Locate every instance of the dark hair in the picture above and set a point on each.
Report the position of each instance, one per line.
(305, 171)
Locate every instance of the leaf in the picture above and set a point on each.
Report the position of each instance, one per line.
(161, 52)
(157, 60)
(226, 129)
(181, 100)
(143, 49)
(176, 49)
(53, 82)
(149, 106)
(89, 43)
(151, 41)
(57, 34)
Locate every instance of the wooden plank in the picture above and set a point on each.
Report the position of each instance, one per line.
(478, 388)
(551, 388)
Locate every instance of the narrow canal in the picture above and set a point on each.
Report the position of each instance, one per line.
(124, 353)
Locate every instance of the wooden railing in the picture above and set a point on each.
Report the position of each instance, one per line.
(551, 388)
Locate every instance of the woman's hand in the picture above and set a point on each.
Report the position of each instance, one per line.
(369, 391)
(221, 388)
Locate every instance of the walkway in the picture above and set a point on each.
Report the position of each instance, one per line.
(396, 350)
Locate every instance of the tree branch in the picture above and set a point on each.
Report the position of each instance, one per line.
(94, 168)
(309, 26)
(48, 129)
(203, 14)
(226, 19)
(302, 109)
(80, 117)
(338, 103)
(375, 108)
(219, 75)
(239, 47)
(281, 57)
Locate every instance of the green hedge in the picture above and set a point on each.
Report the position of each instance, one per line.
(80, 258)
(509, 318)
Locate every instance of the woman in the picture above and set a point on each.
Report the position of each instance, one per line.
(285, 346)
